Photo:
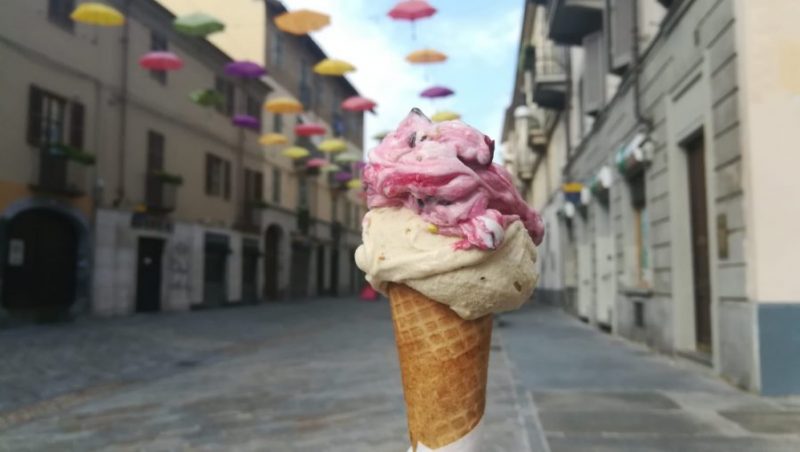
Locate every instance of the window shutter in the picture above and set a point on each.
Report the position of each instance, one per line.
(209, 177)
(621, 34)
(76, 121)
(34, 116)
(594, 73)
(259, 186)
(226, 179)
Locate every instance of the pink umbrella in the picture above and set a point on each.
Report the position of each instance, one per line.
(412, 10)
(358, 103)
(316, 163)
(309, 129)
(246, 121)
(160, 61)
(437, 91)
(244, 69)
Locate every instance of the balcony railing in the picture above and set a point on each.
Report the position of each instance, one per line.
(62, 170)
(161, 192)
(569, 21)
(550, 76)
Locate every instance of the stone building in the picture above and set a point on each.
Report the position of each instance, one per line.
(118, 194)
(651, 134)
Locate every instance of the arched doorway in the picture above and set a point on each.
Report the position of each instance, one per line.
(40, 265)
(272, 254)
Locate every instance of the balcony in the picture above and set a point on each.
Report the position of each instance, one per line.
(250, 220)
(570, 20)
(550, 76)
(161, 190)
(62, 170)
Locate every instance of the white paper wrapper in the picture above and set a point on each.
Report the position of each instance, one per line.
(471, 442)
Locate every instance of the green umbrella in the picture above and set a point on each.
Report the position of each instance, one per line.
(206, 97)
(347, 157)
(198, 24)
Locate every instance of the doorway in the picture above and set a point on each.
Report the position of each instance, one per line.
(321, 289)
(698, 213)
(334, 286)
(148, 274)
(272, 241)
(215, 270)
(40, 265)
(300, 270)
(250, 256)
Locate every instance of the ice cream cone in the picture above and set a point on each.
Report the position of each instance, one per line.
(444, 362)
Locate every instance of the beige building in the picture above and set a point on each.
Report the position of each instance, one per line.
(651, 134)
(120, 194)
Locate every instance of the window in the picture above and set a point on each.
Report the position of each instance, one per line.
(276, 185)
(317, 91)
(640, 229)
(305, 89)
(253, 107)
(158, 43)
(46, 117)
(253, 185)
(275, 47)
(594, 73)
(334, 207)
(225, 88)
(218, 176)
(277, 123)
(155, 151)
(302, 193)
(58, 12)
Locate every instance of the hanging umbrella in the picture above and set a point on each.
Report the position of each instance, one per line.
(412, 10)
(295, 152)
(347, 158)
(160, 60)
(426, 56)
(330, 167)
(358, 103)
(360, 165)
(316, 163)
(437, 91)
(354, 184)
(381, 135)
(342, 176)
(92, 13)
(197, 24)
(283, 105)
(333, 67)
(246, 121)
(271, 139)
(244, 69)
(302, 21)
(309, 129)
(206, 97)
(445, 116)
(332, 145)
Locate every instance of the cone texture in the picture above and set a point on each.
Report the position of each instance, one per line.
(444, 361)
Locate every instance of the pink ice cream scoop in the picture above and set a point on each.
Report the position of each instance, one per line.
(444, 173)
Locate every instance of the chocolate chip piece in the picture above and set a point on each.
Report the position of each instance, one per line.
(483, 278)
(412, 140)
(518, 286)
(420, 203)
(423, 138)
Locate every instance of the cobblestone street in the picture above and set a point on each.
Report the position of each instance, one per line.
(322, 376)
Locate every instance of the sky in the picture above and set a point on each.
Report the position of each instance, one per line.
(479, 36)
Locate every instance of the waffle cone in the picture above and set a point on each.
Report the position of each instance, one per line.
(444, 362)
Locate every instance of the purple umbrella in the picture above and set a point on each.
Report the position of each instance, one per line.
(250, 122)
(342, 176)
(361, 165)
(437, 91)
(244, 69)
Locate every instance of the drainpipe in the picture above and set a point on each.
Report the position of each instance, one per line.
(568, 109)
(123, 107)
(637, 72)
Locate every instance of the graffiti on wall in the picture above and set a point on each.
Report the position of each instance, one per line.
(180, 267)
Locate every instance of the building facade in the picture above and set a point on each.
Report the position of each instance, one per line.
(646, 131)
(119, 194)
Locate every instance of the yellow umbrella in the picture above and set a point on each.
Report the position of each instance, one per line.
(426, 56)
(332, 145)
(295, 152)
(302, 21)
(283, 105)
(269, 139)
(97, 14)
(333, 67)
(354, 183)
(330, 168)
(445, 116)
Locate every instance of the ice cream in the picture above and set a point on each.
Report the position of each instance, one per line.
(450, 241)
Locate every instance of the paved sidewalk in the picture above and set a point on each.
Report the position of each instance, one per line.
(590, 391)
(308, 376)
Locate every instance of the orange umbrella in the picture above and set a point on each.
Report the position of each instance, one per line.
(302, 21)
(426, 56)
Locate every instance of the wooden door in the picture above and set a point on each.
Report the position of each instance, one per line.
(700, 243)
(148, 274)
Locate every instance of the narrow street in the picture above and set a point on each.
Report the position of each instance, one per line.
(322, 376)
